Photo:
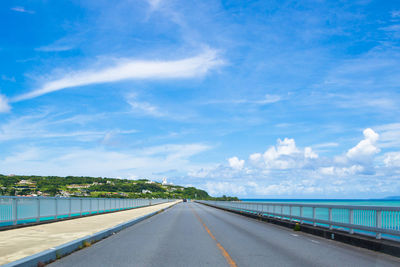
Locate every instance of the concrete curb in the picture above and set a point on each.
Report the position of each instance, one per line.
(53, 254)
(380, 245)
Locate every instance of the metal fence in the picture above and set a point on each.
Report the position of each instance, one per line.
(376, 220)
(22, 210)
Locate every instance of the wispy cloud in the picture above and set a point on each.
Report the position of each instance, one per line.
(145, 162)
(154, 3)
(22, 10)
(6, 78)
(131, 69)
(41, 126)
(144, 108)
(267, 99)
(54, 48)
(4, 106)
(390, 135)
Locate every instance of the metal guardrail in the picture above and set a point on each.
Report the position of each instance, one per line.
(367, 220)
(22, 210)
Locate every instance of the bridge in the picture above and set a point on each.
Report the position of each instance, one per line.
(194, 234)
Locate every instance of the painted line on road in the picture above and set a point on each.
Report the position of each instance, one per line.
(224, 253)
(314, 241)
(294, 235)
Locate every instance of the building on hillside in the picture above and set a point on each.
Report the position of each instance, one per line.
(78, 186)
(26, 182)
(165, 182)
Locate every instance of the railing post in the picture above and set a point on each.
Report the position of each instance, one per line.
(90, 206)
(69, 207)
(330, 219)
(56, 208)
(98, 205)
(378, 223)
(38, 209)
(290, 213)
(80, 204)
(351, 220)
(301, 214)
(314, 215)
(15, 210)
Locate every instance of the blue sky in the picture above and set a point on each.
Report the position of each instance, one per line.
(266, 99)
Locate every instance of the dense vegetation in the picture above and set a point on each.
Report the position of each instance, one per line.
(71, 186)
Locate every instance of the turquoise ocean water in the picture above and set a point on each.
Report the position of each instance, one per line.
(355, 202)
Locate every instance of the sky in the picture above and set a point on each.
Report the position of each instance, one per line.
(256, 99)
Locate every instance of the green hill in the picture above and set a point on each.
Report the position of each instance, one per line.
(73, 186)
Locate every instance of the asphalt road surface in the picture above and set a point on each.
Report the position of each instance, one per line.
(191, 234)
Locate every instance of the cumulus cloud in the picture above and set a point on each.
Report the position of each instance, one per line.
(341, 171)
(366, 148)
(285, 169)
(4, 106)
(236, 163)
(127, 69)
(284, 155)
(224, 188)
(309, 153)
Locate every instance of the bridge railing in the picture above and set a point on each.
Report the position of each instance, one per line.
(366, 220)
(23, 210)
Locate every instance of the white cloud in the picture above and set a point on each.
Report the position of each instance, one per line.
(22, 10)
(154, 3)
(9, 79)
(284, 155)
(145, 162)
(129, 70)
(303, 187)
(389, 135)
(366, 148)
(41, 126)
(4, 106)
(309, 154)
(396, 14)
(235, 163)
(267, 99)
(324, 145)
(224, 188)
(341, 171)
(54, 48)
(286, 170)
(392, 159)
(176, 151)
(144, 108)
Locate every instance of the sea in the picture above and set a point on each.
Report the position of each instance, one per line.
(355, 202)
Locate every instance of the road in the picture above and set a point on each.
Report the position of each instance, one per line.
(191, 234)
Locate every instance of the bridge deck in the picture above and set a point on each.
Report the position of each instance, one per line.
(191, 234)
(22, 242)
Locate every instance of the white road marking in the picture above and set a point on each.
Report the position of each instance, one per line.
(294, 235)
(314, 241)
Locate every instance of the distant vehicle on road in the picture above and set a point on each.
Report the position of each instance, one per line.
(184, 200)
